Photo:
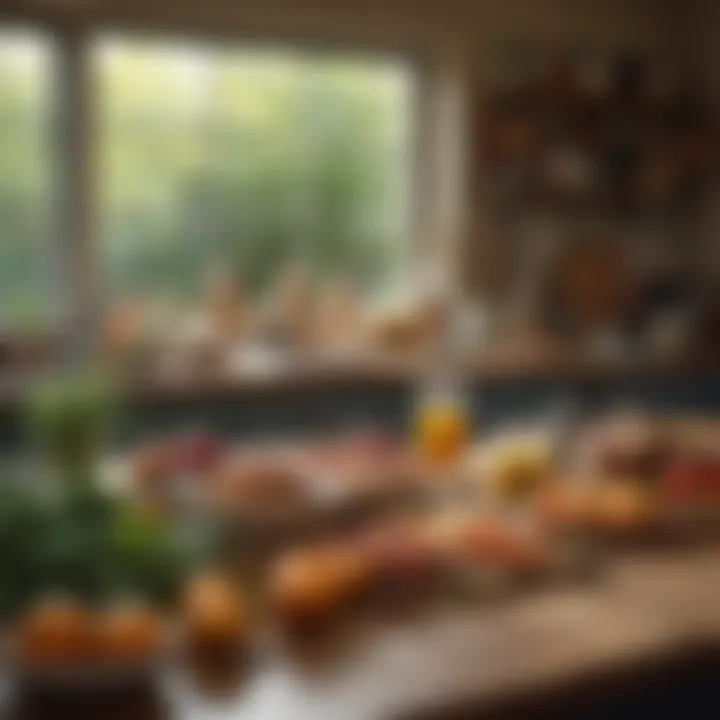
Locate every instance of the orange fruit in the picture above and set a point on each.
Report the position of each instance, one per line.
(56, 631)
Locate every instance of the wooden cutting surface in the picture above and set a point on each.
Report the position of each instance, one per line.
(552, 643)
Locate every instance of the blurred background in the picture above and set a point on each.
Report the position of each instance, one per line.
(332, 299)
(222, 197)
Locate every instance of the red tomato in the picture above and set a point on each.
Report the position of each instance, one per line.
(684, 481)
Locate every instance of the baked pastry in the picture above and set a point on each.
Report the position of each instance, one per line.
(214, 612)
(308, 585)
(226, 307)
(293, 309)
(262, 485)
(340, 315)
(605, 507)
(626, 446)
(129, 633)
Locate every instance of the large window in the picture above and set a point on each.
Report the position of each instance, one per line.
(249, 157)
(26, 179)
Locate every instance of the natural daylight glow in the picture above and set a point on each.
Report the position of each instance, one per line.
(26, 175)
(254, 158)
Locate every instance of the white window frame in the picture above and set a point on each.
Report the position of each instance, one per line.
(431, 219)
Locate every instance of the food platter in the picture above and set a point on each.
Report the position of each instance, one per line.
(301, 536)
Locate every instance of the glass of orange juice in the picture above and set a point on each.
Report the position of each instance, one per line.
(441, 428)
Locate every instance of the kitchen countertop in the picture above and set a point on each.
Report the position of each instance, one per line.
(648, 619)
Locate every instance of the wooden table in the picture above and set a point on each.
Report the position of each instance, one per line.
(647, 620)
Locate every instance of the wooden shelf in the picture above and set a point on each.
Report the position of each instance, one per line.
(400, 373)
(378, 373)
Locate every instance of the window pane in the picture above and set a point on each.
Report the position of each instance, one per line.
(26, 113)
(250, 157)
